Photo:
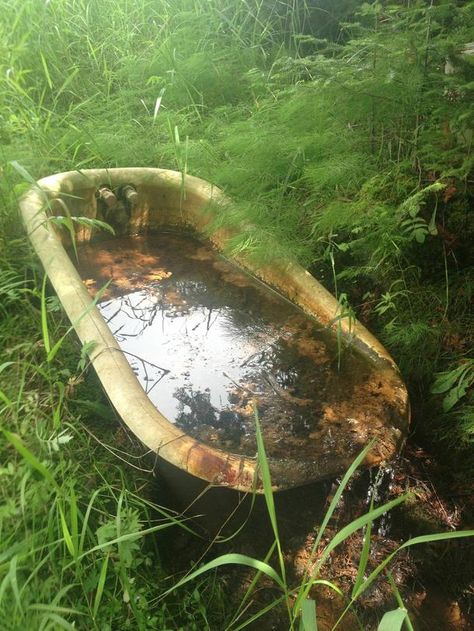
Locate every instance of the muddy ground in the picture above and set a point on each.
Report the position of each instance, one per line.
(436, 580)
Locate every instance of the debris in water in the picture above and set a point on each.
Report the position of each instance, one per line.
(208, 341)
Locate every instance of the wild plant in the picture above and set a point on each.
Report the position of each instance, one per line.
(344, 321)
(324, 121)
(301, 608)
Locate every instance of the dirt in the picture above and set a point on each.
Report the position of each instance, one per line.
(436, 580)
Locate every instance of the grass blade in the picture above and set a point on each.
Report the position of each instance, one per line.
(443, 536)
(393, 620)
(23, 172)
(100, 586)
(308, 616)
(12, 578)
(158, 104)
(46, 71)
(364, 557)
(44, 318)
(259, 614)
(54, 609)
(238, 614)
(305, 585)
(30, 458)
(230, 559)
(66, 533)
(74, 520)
(398, 597)
(266, 477)
(355, 525)
(60, 622)
(131, 536)
(269, 500)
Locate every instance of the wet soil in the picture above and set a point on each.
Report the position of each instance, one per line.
(208, 341)
(436, 580)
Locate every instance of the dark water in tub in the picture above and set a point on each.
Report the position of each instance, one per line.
(205, 340)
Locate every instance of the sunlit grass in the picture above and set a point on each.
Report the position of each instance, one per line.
(324, 125)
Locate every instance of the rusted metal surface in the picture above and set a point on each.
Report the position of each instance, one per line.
(153, 198)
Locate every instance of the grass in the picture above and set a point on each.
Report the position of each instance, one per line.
(337, 133)
(301, 609)
(78, 532)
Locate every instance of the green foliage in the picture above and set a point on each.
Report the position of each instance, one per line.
(302, 611)
(454, 384)
(343, 130)
(72, 531)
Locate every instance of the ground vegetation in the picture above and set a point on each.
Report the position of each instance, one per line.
(341, 130)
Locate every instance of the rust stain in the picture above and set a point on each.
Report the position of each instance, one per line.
(388, 392)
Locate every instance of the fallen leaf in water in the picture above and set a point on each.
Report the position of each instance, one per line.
(158, 274)
(123, 283)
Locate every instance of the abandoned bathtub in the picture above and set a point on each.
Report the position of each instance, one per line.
(188, 342)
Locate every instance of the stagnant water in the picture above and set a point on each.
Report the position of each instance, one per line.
(205, 340)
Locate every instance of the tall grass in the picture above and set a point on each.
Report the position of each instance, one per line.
(337, 132)
(301, 608)
(77, 543)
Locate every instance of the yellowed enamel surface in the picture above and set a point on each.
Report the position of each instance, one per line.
(163, 200)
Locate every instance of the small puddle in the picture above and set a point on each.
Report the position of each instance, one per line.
(205, 339)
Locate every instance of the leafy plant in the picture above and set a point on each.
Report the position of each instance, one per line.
(344, 321)
(454, 384)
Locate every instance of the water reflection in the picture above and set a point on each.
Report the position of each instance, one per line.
(206, 341)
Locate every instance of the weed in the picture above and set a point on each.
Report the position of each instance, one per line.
(342, 130)
(301, 608)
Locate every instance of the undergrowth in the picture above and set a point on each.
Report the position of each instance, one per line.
(341, 130)
(78, 528)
